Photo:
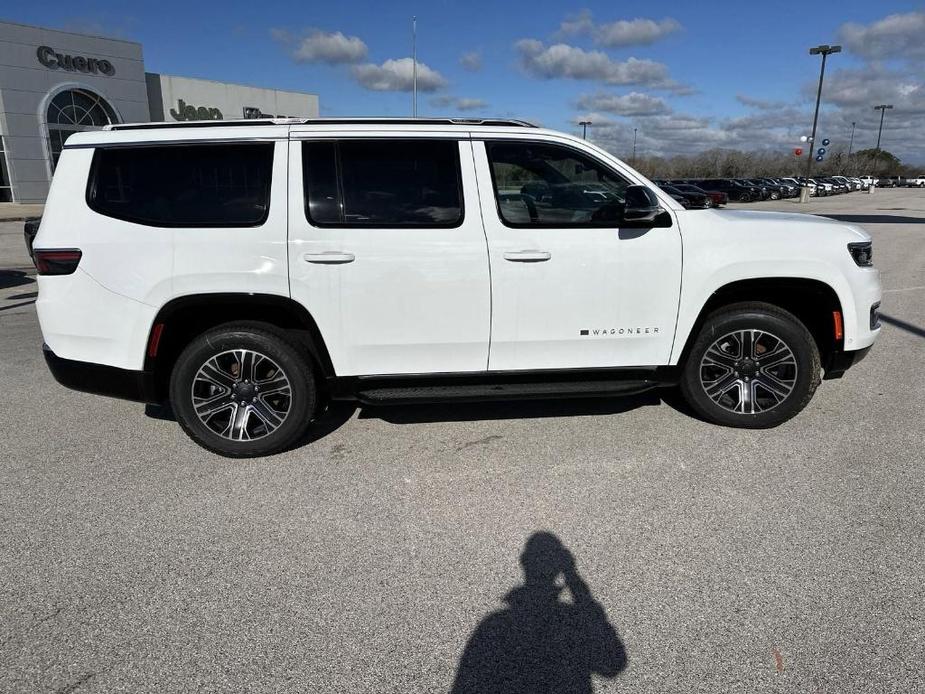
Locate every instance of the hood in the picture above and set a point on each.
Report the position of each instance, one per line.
(788, 220)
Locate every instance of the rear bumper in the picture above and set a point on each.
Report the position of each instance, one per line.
(101, 379)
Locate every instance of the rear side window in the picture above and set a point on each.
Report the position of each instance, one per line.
(382, 183)
(199, 185)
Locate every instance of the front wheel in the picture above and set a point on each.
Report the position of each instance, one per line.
(243, 390)
(753, 365)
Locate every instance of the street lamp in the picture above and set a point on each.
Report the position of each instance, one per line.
(882, 108)
(584, 128)
(634, 146)
(824, 50)
(851, 143)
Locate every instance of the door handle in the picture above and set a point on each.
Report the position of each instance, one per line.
(329, 258)
(527, 256)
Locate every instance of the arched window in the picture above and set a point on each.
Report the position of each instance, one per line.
(72, 111)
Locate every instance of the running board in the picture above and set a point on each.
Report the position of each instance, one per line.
(411, 394)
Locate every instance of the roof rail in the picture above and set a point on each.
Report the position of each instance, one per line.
(321, 121)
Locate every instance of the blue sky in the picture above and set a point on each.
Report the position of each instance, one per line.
(690, 76)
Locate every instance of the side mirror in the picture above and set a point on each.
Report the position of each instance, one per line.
(641, 205)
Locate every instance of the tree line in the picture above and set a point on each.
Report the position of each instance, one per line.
(730, 163)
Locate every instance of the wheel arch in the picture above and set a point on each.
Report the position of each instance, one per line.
(182, 318)
(812, 301)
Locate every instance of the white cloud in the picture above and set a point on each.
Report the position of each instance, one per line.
(633, 32)
(561, 60)
(894, 36)
(458, 103)
(761, 104)
(333, 48)
(632, 104)
(395, 75)
(471, 61)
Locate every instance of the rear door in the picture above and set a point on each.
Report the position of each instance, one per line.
(387, 250)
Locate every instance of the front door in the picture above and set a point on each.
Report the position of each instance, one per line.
(569, 288)
(387, 252)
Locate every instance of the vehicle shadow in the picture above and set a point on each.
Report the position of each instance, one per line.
(903, 325)
(538, 642)
(14, 278)
(875, 218)
(335, 415)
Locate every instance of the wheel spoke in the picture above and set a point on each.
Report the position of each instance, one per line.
(277, 384)
(206, 408)
(716, 356)
(748, 343)
(211, 371)
(239, 423)
(267, 414)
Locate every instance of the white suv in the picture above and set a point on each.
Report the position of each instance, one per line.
(248, 272)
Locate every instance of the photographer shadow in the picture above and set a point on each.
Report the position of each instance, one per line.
(539, 643)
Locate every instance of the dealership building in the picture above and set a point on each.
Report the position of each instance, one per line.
(55, 83)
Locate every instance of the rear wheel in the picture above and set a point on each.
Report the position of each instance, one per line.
(752, 365)
(243, 390)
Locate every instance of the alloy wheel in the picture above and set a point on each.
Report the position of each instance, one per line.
(748, 371)
(241, 395)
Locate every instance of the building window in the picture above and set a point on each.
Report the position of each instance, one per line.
(73, 111)
(6, 189)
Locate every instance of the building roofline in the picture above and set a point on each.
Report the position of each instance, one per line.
(231, 84)
(72, 33)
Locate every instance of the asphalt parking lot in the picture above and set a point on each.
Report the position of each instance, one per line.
(787, 560)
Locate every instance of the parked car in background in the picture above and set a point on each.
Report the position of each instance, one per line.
(694, 201)
(916, 181)
(788, 190)
(717, 197)
(892, 182)
(762, 191)
(848, 183)
(736, 191)
(869, 180)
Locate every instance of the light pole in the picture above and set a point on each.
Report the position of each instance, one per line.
(584, 128)
(825, 50)
(882, 108)
(851, 143)
(634, 146)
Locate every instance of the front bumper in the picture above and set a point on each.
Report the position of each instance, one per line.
(839, 362)
(101, 379)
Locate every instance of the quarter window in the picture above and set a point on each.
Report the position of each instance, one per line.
(221, 185)
(382, 183)
(542, 185)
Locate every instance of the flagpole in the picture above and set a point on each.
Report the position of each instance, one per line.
(414, 67)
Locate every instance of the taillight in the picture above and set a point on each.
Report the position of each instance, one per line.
(58, 261)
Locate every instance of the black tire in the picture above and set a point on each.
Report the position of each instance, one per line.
(268, 422)
(764, 400)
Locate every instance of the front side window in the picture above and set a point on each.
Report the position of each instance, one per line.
(546, 185)
(198, 185)
(382, 183)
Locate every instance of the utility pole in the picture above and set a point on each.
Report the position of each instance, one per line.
(825, 50)
(882, 108)
(634, 146)
(414, 67)
(851, 143)
(584, 128)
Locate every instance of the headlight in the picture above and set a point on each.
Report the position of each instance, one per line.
(862, 252)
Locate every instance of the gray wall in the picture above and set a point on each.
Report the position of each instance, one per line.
(166, 91)
(26, 84)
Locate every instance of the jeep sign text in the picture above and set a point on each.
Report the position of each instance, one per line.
(185, 111)
(50, 59)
